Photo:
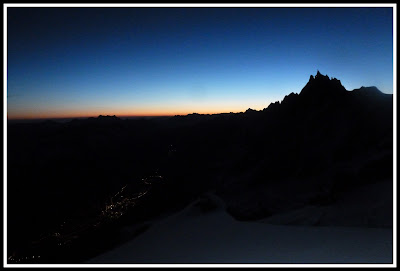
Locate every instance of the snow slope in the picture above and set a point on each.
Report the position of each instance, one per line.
(211, 236)
(370, 205)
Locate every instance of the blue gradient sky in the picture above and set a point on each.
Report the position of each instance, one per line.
(67, 62)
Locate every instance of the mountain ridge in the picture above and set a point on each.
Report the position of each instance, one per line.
(309, 150)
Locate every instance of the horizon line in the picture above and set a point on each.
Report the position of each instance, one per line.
(32, 118)
(118, 116)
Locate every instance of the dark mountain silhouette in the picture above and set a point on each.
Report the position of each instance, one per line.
(310, 149)
(370, 91)
(322, 86)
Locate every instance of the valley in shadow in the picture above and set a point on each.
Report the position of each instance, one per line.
(73, 185)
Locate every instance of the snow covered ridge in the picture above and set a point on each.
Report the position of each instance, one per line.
(195, 236)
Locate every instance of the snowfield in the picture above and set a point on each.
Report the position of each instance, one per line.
(198, 235)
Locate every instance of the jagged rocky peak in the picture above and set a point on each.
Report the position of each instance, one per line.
(320, 77)
(322, 85)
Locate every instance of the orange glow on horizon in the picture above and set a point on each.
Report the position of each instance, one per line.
(118, 114)
(136, 111)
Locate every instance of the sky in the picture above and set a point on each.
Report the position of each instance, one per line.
(81, 62)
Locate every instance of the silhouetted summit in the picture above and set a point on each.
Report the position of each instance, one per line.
(321, 86)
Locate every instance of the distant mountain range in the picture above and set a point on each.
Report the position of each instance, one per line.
(315, 149)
